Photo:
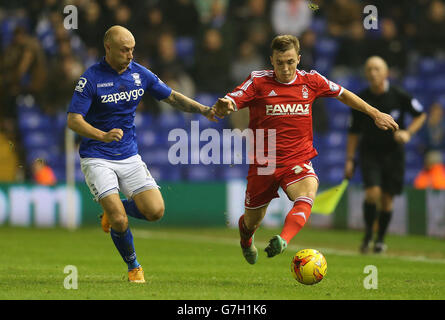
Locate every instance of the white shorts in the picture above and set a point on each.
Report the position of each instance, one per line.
(129, 176)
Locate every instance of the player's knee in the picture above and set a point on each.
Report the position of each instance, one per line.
(119, 222)
(372, 195)
(155, 213)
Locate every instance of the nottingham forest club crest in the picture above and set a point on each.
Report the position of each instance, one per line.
(137, 79)
(304, 92)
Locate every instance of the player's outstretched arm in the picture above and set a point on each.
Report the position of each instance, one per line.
(77, 123)
(183, 103)
(382, 120)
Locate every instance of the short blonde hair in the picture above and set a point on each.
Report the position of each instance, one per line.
(285, 42)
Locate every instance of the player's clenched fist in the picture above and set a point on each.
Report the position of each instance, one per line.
(113, 135)
(223, 107)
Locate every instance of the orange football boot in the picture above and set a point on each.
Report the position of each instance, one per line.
(136, 275)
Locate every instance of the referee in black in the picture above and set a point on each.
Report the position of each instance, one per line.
(381, 153)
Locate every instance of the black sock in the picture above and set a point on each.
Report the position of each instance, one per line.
(384, 219)
(370, 214)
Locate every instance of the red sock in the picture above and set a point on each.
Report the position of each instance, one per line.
(296, 218)
(245, 234)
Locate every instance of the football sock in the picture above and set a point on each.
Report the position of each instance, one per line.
(370, 214)
(383, 222)
(296, 218)
(124, 244)
(245, 234)
(132, 210)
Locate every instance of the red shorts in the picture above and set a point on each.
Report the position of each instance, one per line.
(261, 189)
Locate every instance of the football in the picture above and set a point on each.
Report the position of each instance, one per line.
(308, 266)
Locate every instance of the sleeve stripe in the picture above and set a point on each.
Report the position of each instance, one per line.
(234, 103)
(341, 91)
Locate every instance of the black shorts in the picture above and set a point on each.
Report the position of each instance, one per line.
(383, 168)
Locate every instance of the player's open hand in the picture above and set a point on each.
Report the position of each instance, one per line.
(113, 135)
(223, 107)
(385, 122)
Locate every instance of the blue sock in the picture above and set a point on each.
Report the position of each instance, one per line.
(124, 244)
(132, 210)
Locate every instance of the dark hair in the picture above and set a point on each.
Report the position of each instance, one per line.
(285, 42)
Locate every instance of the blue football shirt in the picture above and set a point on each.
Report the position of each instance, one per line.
(108, 100)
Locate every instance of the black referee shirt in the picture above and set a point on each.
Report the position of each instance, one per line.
(393, 101)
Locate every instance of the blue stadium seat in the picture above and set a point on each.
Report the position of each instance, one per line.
(148, 138)
(39, 139)
(333, 105)
(414, 84)
(206, 98)
(410, 175)
(436, 84)
(318, 25)
(428, 66)
(334, 156)
(166, 172)
(323, 64)
(144, 120)
(340, 120)
(231, 172)
(170, 120)
(155, 156)
(337, 139)
(34, 120)
(185, 49)
(326, 47)
(201, 172)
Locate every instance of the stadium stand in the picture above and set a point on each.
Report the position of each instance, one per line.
(42, 133)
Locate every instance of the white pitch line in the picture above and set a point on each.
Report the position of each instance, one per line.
(145, 234)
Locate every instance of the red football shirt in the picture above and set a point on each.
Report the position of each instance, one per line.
(285, 107)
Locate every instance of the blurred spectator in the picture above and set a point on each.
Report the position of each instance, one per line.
(391, 47)
(432, 175)
(353, 50)
(123, 16)
(308, 40)
(65, 72)
(433, 133)
(432, 31)
(218, 19)
(248, 59)
(290, 17)
(212, 64)
(92, 27)
(183, 16)
(42, 173)
(152, 25)
(342, 15)
(170, 69)
(252, 22)
(24, 67)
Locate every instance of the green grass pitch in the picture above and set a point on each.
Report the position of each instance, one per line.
(206, 264)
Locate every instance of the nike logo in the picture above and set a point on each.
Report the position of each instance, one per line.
(301, 214)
